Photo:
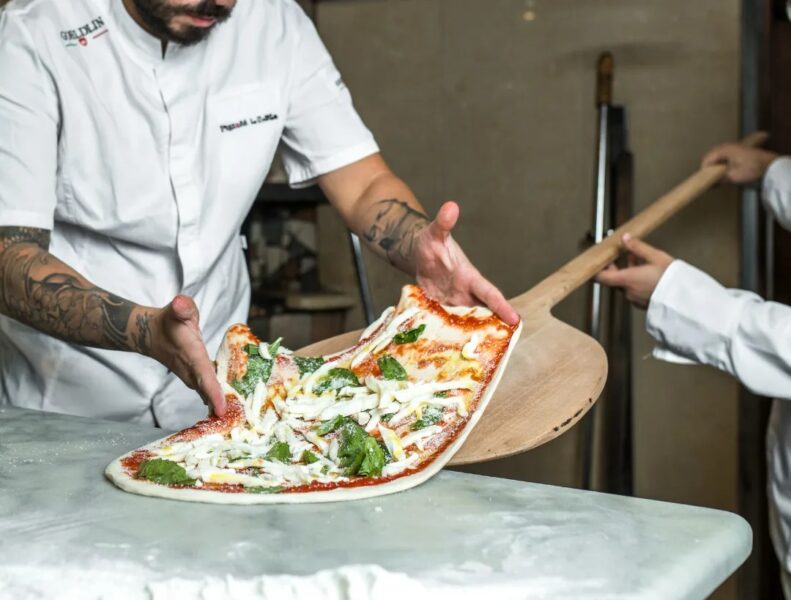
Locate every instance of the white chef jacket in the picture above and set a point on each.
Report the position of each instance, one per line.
(144, 167)
(736, 331)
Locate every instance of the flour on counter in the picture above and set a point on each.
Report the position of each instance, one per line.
(106, 580)
(347, 583)
(116, 580)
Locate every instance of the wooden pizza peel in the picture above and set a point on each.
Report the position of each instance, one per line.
(555, 372)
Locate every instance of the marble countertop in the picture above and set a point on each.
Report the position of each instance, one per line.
(66, 531)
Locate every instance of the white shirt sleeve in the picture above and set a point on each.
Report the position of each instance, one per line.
(322, 131)
(777, 190)
(736, 331)
(28, 131)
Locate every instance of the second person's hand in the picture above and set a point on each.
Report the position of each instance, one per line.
(640, 280)
(744, 164)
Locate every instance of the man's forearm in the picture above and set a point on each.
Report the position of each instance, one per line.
(41, 291)
(390, 220)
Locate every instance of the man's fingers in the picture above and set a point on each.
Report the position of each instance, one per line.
(719, 154)
(184, 308)
(613, 277)
(209, 389)
(493, 298)
(642, 250)
(445, 221)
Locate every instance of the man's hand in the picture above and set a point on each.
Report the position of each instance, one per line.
(385, 213)
(745, 164)
(176, 342)
(638, 281)
(445, 272)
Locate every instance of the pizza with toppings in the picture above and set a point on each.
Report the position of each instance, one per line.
(380, 417)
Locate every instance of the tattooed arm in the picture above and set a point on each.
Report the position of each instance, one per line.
(39, 290)
(381, 208)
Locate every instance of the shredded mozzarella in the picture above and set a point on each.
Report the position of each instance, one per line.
(349, 407)
(381, 341)
(400, 466)
(378, 323)
(420, 436)
(392, 441)
(468, 351)
(263, 350)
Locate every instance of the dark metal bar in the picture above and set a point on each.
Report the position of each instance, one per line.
(759, 576)
(362, 279)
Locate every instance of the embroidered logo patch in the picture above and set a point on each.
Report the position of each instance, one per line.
(73, 38)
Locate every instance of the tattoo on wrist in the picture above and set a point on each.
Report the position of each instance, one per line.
(142, 337)
(395, 228)
(40, 291)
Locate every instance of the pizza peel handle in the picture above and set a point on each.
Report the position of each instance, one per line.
(560, 284)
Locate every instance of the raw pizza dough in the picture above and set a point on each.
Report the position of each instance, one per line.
(378, 418)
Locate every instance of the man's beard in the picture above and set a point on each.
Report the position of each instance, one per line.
(158, 14)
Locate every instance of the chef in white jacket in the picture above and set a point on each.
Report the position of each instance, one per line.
(692, 315)
(134, 137)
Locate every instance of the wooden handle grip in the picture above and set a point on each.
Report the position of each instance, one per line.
(576, 272)
(604, 75)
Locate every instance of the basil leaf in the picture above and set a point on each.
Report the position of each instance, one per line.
(431, 416)
(337, 379)
(274, 347)
(309, 458)
(359, 453)
(165, 472)
(388, 456)
(308, 364)
(441, 395)
(263, 490)
(407, 337)
(391, 368)
(279, 452)
(258, 369)
(374, 460)
(328, 427)
(252, 350)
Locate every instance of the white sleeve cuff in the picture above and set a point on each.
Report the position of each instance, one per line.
(776, 190)
(25, 218)
(694, 317)
(305, 175)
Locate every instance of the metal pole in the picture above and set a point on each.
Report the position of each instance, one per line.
(600, 208)
(362, 279)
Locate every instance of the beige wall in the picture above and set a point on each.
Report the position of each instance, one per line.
(473, 102)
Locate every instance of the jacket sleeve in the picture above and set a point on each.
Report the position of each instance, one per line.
(323, 131)
(693, 316)
(29, 122)
(777, 190)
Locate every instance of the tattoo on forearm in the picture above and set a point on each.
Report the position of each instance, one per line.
(23, 235)
(395, 228)
(40, 291)
(142, 337)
